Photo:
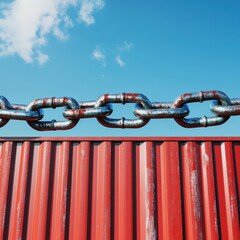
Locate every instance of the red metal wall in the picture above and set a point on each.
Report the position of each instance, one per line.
(119, 188)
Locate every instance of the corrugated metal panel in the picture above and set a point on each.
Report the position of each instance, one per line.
(120, 188)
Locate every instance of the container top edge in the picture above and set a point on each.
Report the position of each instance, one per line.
(142, 138)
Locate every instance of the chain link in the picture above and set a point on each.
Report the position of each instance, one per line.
(123, 98)
(70, 103)
(221, 106)
(203, 121)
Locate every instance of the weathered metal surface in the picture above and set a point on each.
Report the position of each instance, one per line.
(221, 105)
(53, 103)
(119, 188)
(160, 110)
(123, 98)
(204, 121)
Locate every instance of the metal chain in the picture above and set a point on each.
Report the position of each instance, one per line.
(221, 106)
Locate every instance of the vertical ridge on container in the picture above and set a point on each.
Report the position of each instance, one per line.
(123, 228)
(227, 197)
(208, 191)
(38, 205)
(168, 191)
(101, 192)
(146, 189)
(5, 168)
(19, 190)
(192, 188)
(59, 191)
(79, 194)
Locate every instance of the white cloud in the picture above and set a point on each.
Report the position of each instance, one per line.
(42, 58)
(98, 55)
(126, 46)
(87, 8)
(26, 24)
(119, 61)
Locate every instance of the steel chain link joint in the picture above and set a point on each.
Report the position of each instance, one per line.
(123, 98)
(160, 110)
(4, 104)
(87, 110)
(221, 110)
(201, 97)
(18, 112)
(70, 103)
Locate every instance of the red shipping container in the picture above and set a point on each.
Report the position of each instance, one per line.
(120, 188)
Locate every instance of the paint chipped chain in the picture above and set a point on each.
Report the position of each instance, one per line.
(221, 106)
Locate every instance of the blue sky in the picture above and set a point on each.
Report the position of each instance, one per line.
(86, 48)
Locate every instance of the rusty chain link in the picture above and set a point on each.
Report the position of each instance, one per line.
(221, 106)
(123, 98)
(204, 121)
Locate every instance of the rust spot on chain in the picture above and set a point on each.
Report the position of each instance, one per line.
(215, 93)
(65, 101)
(181, 99)
(79, 112)
(44, 102)
(106, 97)
(132, 96)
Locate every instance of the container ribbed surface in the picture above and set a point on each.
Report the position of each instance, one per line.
(119, 188)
